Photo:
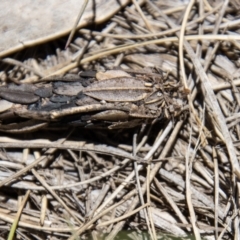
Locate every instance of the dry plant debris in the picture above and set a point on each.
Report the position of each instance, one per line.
(164, 177)
(36, 22)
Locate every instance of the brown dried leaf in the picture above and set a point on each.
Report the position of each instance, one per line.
(69, 89)
(110, 115)
(23, 127)
(18, 96)
(123, 89)
(44, 92)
